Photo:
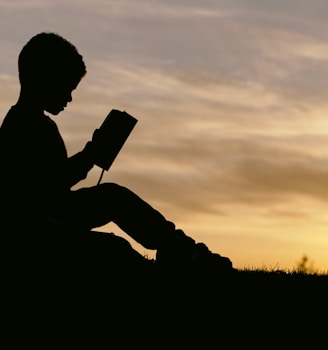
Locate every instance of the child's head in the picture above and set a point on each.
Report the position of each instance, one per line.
(50, 66)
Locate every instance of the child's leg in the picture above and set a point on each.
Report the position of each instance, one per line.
(108, 202)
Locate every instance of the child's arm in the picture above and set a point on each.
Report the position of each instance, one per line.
(80, 164)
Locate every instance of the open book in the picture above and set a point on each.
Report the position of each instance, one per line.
(111, 137)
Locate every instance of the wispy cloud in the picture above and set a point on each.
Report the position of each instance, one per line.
(231, 98)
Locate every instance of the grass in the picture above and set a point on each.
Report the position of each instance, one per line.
(253, 308)
(124, 307)
(305, 272)
(178, 309)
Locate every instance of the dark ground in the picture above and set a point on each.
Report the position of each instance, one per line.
(64, 300)
(176, 311)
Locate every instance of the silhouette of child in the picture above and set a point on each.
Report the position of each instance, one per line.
(37, 175)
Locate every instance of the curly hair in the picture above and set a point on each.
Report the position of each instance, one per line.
(49, 56)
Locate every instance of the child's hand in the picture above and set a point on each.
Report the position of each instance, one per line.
(95, 136)
(90, 148)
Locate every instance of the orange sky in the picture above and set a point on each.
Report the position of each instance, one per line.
(232, 139)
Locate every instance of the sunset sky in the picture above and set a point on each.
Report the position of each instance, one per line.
(232, 102)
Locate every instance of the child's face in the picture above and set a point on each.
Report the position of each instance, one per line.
(57, 95)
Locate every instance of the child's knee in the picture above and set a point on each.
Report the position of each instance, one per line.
(111, 190)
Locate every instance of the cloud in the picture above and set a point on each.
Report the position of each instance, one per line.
(9, 89)
(22, 4)
(204, 142)
(230, 97)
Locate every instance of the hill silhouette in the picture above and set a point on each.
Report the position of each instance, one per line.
(78, 292)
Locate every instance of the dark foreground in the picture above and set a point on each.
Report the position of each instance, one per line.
(121, 310)
(77, 297)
